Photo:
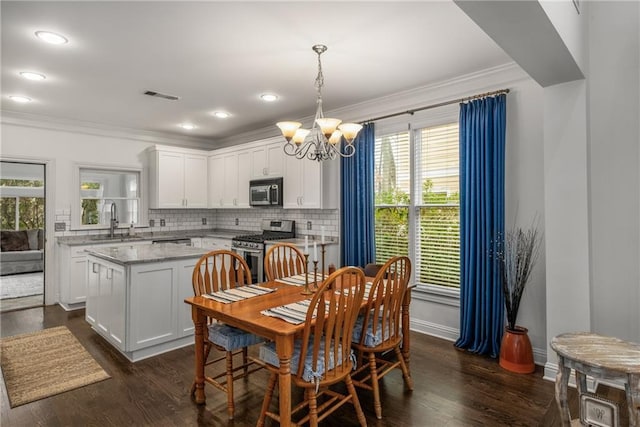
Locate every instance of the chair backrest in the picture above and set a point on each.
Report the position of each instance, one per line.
(335, 304)
(219, 270)
(384, 303)
(283, 260)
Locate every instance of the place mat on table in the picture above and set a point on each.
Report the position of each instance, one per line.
(299, 279)
(295, 312)
(240, 293)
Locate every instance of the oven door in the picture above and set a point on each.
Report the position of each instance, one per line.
(254, 259)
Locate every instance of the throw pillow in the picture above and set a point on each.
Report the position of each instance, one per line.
(14, 241)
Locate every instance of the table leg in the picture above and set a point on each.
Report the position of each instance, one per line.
(581, 382)
(199, 321)
(632, 388)
(562, 382)
(284, 348)
(406, 341)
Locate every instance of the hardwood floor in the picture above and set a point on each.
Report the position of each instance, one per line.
(452, 388)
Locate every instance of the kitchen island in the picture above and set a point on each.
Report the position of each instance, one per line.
(135, 297)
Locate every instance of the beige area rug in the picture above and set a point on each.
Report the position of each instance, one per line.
(45, 363)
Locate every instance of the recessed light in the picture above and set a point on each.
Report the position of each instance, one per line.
(221, 114)
(32, 76)
(49, 37)
(20, 99)
(269, 97)
(187, 126)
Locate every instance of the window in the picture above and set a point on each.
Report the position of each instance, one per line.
(417, 173)
(22, 204)
(106, 191)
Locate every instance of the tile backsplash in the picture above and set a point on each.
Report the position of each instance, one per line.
(247, 220)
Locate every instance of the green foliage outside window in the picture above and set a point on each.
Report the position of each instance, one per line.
(90, 214)
(30, 209)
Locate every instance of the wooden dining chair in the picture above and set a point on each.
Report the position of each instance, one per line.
(322, 356)
(216, 271)
(378, 329)
(283, 260)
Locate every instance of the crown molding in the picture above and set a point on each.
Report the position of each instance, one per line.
(462, 86)
(90, 128)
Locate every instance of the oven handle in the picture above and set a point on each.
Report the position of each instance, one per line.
(251, 251)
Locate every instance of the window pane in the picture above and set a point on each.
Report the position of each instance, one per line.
(438, 252)
(31, 212)
(8, 212)
(98, 211)
(392, 179)
(103, 192)
(106, 184)
(392, 232)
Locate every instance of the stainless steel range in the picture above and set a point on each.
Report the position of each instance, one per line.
(251, 246)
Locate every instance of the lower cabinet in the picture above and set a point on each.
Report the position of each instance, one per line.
(139, 308)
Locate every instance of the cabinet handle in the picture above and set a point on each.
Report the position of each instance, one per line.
(264, 171)
(95, 268)
(109, 273)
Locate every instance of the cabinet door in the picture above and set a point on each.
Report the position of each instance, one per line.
(103, 303)
(93, 292)
(195, 181)
(170, 177)
(275, 159)
(77, 287)
(311, 196)
(292, 182)
(216, 181)
(244, 176)
(185, 290)
(153, 305)
(117, 307)
(230, 180)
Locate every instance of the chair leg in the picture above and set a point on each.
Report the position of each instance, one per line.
(405, 369)
(271, 385)
(374, 385)
(356, 402)
(207, 350)
(245, 361)
(310, 394)
(230, 408)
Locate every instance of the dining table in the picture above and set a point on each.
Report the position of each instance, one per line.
(247, 315)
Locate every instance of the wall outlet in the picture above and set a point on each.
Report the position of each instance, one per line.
(59, 226)
(162, 222)
(237, 222)
(152, 223)
(308, 225)
(204, 221)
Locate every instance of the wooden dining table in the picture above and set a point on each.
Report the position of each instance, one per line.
(246, 315)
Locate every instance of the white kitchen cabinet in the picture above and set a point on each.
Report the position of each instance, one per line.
(267, 159)
(73, 277)
(229, 175)
(139, 308)
(309, 184)
(105, 309)
(178, 178)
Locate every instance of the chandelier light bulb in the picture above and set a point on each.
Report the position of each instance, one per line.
(335, 137)
(288, 129)
(328, 126)
(299, 136)
(350, 131)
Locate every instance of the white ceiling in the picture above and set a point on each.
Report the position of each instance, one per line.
(223, 55)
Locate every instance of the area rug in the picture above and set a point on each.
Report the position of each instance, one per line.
(45, 363)
(21, 285)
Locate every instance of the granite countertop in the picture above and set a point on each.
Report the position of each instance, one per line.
(138, 254)
(96, 239)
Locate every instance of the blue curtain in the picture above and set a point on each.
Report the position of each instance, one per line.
(482, 152)
(357, 200)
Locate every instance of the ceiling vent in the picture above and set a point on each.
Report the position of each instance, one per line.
(161, 95)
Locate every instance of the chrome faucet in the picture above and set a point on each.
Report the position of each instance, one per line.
(113, 223)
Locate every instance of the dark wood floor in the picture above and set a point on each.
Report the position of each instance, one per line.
(452, 388)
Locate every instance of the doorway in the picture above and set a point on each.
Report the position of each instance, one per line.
(22, 251)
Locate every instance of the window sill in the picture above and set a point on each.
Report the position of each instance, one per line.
(437, 294)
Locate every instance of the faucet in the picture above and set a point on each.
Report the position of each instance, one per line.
(113, 222)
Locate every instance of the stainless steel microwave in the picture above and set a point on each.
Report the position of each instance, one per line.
(265, 192)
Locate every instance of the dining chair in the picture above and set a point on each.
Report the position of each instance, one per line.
(283, 260)
(378, 329)
(323, 355)
(216, 271)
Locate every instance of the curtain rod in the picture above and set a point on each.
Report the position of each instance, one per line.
(440, 104)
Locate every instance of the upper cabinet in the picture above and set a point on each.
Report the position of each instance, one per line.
(267, 158)
(229, 176)
(309, 184)
(178, 178)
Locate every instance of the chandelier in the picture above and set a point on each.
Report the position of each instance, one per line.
(324, 140)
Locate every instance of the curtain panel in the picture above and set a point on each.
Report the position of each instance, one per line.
(358, 246)
(482, 157)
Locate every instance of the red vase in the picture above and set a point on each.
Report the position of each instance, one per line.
(516, 353)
